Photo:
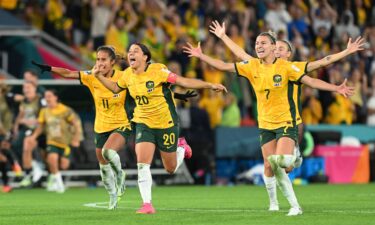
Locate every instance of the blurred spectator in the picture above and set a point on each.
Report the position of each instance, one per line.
(213, 103)
(347, 26)
(298, 25)
(359, 81)
(277, 17)
(231, 112)
(102, 14)
(323, 16)
(311, 107)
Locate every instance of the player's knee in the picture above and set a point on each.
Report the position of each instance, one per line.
(170, 170)
(105, 154)
(267, 166)
(285, 161)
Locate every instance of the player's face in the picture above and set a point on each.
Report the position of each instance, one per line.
(136, 58)
(29, 90)
(51, 98)
(282, 50)
(104, 62)
(264, 47)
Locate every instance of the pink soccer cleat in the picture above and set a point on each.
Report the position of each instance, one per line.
(146, 208)
(182, 143)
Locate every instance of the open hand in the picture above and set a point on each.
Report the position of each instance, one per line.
(344, 90)
(218, 88)
(217, 29)
(191, 51)
(357, 45)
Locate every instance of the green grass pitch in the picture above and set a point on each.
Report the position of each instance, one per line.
(322, 204)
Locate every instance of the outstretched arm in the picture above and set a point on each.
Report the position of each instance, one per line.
(322, 85)
(198, 84)
(58, 70)
(357, 45)
(197, 52)
(110, 85)
(219, 31)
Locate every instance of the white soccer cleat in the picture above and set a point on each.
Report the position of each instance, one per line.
(60, 190)
(299, 159)
(37, 174)
(273, 207)
(112, 202)
(121, 187)
(295, 211)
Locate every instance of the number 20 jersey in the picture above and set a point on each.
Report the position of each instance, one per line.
(151, 91)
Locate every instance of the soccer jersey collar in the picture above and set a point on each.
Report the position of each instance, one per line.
(274, 61)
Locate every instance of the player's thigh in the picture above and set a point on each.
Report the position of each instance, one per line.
(285, 146)
(115, 141)
(286, 140)
(269, 149)
(169, 161)
(145, 152)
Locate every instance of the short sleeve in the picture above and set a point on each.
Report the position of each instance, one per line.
(296, 70)
(245, 68)
(121, 82)
(84, 77)
(41, 117)
(165, 75)
(70, 116)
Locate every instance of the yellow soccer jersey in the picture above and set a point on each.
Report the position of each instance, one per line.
(109, 108)
(154, 101)
(57, 122)
(273, 86)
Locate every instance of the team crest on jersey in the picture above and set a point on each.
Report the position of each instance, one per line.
(88, 72)
(277, 80)
(150, 86)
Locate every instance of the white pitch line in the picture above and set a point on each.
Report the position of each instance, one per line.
(104, 205)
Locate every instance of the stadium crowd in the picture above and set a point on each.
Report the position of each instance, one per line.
(315, 28)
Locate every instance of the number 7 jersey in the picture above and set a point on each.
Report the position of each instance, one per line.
(109, 107)
(151, 91)
(273, 85)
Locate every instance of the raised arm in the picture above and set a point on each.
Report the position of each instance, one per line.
(58, 70)
(322, 85)
(357, 45)
(110, 85)
(219, 31)
(218, 64)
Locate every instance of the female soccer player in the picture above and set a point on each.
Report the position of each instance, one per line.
(272, 80)
(55, 119)
(112, 126)
(284, 51)
(154, 115)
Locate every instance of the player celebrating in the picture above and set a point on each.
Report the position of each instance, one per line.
(56, 119)
(284, 51)
(154, 115)
(112, 126)
(272, 81)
